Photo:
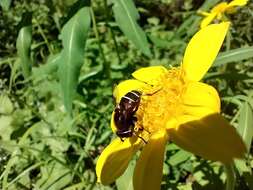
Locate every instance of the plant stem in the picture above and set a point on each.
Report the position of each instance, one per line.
(111, 30)
(230, 172)
(44, 36)
(106, 65)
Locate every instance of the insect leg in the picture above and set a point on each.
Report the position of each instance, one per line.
(142, 139)
(142, 129)
(121, 139)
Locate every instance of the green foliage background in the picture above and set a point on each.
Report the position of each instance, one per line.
(56, 92)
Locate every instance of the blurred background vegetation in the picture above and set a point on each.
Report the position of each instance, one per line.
(45, 146)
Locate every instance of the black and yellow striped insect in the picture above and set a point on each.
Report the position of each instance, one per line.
(124, 113)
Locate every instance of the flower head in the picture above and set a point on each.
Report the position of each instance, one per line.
(219, 10)
(175, 106)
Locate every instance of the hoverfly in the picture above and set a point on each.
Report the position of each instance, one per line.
(124, 113)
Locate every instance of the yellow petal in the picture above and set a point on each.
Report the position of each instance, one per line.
(219, 8)
(115, 158)
(203, 13)
(148, 170)
(211, 137)
(202, 50)
(237, 3)
(113, 126)
(207, 20)
(200, 100)
(126, 86)
(231, 10)
(219, 16)
(149, 75)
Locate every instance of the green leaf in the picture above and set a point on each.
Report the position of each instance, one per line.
(5, 4)
(23, 45)
(125, 182)
(6, 128)
(73, 35)
(52, 63)
(234, 55)
(228, 76)
(45, 70)
(126, 16)
(179, 157)
(53, 176)
(241, 166)
(192, 23)
(245, 122)
(6, 106)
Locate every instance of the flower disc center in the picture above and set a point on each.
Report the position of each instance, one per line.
(156, 109)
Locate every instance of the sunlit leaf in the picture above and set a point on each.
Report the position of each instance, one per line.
(125, 182)
(245, 127)
(73, 35)
(234, 55)
(126, 16)
(5, 4)
(241, 166)
(6, 106)
(6, 128)
(24, 41)
(179, 157)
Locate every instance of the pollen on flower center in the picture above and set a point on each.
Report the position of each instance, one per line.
(156, 109)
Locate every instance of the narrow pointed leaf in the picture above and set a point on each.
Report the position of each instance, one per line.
(126, 16)
(245, 127)
(73, 35)
(234, 55)
(23, 45)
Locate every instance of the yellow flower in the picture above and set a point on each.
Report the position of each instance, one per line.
(174, 106)
(219, 10)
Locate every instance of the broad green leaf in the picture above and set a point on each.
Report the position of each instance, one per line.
(126, 16)
(24, 41)
(125, 182)
(245, 122)
(6, 106)
(241, 166)
(234, 55)
(187, 186)
(5, 4)
(179, 157)
(73, 35)
(6, 128)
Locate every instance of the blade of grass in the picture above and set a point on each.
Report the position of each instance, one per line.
(233, 56)
(245, 122)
